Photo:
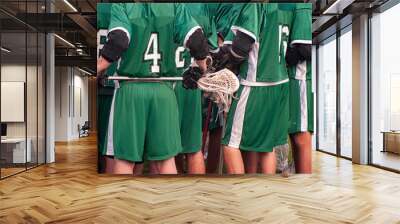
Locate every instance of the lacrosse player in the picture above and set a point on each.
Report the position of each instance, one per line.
(224, 14)
(258, 119)
(145, 120)
(189, 100)
(106, 89)
(298, 57)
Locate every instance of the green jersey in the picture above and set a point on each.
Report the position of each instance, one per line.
(155, 30)
(300, 34)
(270, 27)
(103, 21)
(203, 14)
(225, 14)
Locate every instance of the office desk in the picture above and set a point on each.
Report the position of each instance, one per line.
(16, 147)
(391, 141)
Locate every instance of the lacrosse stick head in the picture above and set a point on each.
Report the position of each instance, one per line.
(221, 86)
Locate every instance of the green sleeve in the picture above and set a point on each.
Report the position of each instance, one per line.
(301, 31)
(185, 24)
(119, 19)
(213, 38)
(103, 15)
(248, 21)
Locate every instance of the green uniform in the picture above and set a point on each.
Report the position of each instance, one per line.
(145, 115)
(224, 15)
(103, 21)
(301, 102)
(258, 119)
(189, 101)
(106, 92)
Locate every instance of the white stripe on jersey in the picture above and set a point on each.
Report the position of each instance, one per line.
(191, 31)
(110, 133)
(252, 63)
(301, 71)
(238, 119)
(243, 30)
(301, 42)
(303, 106)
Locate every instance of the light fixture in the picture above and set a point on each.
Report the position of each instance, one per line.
(64, 40)
(70, 5)
(5, 50)
(84, 71)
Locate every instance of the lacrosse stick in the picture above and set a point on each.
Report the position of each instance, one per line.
(205, 129)
(221, 85)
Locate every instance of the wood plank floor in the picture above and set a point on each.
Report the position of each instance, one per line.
(70, 191)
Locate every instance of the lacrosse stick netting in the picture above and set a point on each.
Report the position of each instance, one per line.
(221, 85)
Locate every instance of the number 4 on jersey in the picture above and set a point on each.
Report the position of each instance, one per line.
(154, 55)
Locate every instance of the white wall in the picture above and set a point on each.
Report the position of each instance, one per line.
(71, 94)
(16, 72)
(33, 127)
(61, 103)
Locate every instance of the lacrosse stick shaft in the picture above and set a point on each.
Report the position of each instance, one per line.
(221, 155)
(206, 124)
(143, 79)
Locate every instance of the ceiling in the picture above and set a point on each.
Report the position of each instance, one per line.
(72, 20)
(329, 15)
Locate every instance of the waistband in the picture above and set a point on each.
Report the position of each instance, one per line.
(251, 83)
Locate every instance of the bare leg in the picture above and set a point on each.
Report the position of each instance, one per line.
(138, 169)
(166, 166)
(109, 164)
(250, 161)
(233, 160)
(123, 167)
(195, 163)
(302, 152)
(268, 162)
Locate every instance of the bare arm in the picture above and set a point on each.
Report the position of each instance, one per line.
(102, 65)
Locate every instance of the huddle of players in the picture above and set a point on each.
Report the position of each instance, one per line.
(267, 45)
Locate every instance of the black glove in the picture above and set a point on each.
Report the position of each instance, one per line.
(292, 56)
(190, 77)
(225, 59)
(298, 53)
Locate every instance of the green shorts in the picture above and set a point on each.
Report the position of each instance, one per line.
(301, 106)
(258, 119)
(103, 113)
(189, 106)
(145, 124)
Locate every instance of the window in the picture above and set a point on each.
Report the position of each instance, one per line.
(385, 89)
(22, 75)
(327, 96)
(346, 92)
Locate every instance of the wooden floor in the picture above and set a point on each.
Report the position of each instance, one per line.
(71, 191)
